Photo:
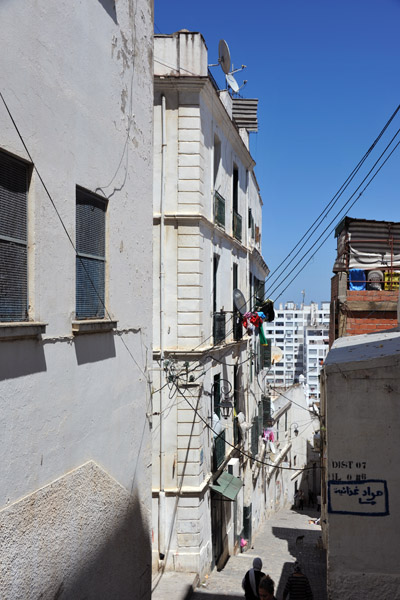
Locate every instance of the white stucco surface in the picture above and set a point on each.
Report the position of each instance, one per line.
(362, 415)
(77, 79)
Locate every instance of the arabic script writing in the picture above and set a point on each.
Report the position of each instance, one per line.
(369, 498)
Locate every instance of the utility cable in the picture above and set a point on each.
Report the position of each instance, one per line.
(332, 202)
(242, 452)
(341, 210)
(68, 235)
(329, 234)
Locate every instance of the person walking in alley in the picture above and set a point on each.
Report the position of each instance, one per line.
(266, 589)
(297, 586)
(252, 580)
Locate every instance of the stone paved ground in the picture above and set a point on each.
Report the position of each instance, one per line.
(275, 542)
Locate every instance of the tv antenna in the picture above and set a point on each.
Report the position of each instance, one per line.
(224, 57)
(224, 60)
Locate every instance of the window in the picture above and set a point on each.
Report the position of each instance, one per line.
(90, 255)
(13, 239)
(216, 394)
(217, 159)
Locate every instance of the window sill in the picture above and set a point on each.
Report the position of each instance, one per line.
(93, 326)
(21, 330)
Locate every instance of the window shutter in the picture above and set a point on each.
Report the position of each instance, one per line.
(266, 403)
(13, 239)
(254, 436)
(90, 259)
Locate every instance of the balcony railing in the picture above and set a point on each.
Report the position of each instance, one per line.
(219, 332)
(237, 226)
(219, 209)
(219, 450)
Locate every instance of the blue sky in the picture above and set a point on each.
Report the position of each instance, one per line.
(326, 73)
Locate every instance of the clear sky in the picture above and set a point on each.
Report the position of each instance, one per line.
(326, 73)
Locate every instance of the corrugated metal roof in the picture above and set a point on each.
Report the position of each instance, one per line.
(366, 225)
(367, 244)
(244, 113)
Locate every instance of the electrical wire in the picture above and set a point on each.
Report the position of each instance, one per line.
(340, 211)
(238, 450)
(332, 202)
(68, 235)
(351, 205)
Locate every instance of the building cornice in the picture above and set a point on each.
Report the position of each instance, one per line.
(183, 354)
(194, 219)
(205, 86)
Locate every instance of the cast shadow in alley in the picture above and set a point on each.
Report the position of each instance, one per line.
(310, 511)
(196, 595)
(305, 547)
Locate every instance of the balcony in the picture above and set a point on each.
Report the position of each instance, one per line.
(219, 327)
(219, 210)
(237, 226)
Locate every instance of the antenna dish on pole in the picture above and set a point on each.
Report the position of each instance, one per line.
(276, 354)
(224, 56)
(233, 84)
(239, 301)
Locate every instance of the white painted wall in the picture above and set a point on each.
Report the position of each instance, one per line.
(76, 450)
(182, 441)
(361, 412)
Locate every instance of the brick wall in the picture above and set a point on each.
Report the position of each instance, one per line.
(365, 311)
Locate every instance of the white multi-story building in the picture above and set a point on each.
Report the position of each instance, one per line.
(207, 243)
(76, 157)
(302, 334)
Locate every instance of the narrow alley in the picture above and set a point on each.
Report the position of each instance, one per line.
(287, 536)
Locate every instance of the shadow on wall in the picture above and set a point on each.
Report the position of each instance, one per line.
(81, 537)
(94, 348)
(109, 7)
(19, 358)
(121, 567)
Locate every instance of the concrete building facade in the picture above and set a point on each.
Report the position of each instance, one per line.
(361, 485)
(75, 299)
(302, 334)
(207, 243)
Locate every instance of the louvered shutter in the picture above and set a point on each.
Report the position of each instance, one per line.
(13, 239)
(90, 259)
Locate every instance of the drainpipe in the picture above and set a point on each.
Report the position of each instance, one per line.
(161, 496)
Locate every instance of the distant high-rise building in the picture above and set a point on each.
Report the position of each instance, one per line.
(302, 334)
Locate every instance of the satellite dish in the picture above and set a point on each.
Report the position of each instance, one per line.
(239, 301)
(231, 81)
(224, 56)
(276, 354)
